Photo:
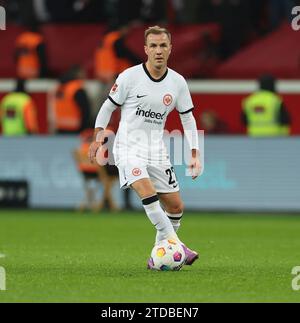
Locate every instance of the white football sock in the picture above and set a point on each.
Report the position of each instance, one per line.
(175, 219)
(159, 219)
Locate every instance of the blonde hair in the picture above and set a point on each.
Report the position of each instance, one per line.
(156, 30)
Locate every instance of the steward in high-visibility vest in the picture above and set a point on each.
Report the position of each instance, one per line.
(30, 55)
(84, 165)
(264, 113)
(18, 113)
(106, 174)
(112, 57)
(71, 104)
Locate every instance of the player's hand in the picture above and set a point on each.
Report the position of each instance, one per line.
(95, 145)
(195, 167)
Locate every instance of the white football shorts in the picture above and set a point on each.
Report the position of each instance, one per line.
(162, 176)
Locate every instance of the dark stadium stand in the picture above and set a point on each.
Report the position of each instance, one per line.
(7, 46)
(71, 44)
(278, 54)
(189, 41)
(75, 44)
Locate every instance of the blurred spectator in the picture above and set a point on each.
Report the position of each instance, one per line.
(234, 19)
(107, 175)
(176, 11)
(18, 11)
(60, 11)
(211, 123)
(112, 57)
(257, 17)
(113, 126)
(194, 11)
(264, 112)
(41, 11)
(18, 113)
(71, 108)
(208, 56)
(120, 12)
(225, 12)
(30, 53)
(74, 10)
(88, 170)
(154, 11)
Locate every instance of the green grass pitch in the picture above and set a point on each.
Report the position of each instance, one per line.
(56, 256)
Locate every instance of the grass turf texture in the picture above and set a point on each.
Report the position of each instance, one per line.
(69, 257)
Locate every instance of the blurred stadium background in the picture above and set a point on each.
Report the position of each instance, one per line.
(222, 47)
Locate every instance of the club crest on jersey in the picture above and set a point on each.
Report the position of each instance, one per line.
(136, 172)
(114, 88)
(168, 99)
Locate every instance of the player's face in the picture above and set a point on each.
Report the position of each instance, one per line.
(158, 49)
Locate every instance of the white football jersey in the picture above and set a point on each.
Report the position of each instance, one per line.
(145, 104)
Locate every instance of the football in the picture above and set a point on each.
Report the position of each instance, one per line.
(167, 255)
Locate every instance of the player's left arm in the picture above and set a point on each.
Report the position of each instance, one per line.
(190, 130)
(184, 106)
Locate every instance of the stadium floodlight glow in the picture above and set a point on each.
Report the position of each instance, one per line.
(2, 18)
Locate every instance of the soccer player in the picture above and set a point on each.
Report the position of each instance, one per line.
(146, 94)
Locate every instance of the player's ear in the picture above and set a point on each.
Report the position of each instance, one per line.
(146, 49)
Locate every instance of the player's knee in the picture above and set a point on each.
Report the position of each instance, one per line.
(177, 208)
(144, 188)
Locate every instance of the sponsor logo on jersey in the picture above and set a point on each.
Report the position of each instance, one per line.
(136, 172)
(168, 99)
(114, 88)
(150, 114)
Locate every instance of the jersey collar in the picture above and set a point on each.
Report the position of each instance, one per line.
(153, 79)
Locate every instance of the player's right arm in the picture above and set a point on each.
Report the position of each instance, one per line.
(116, 98)
(102, 121)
